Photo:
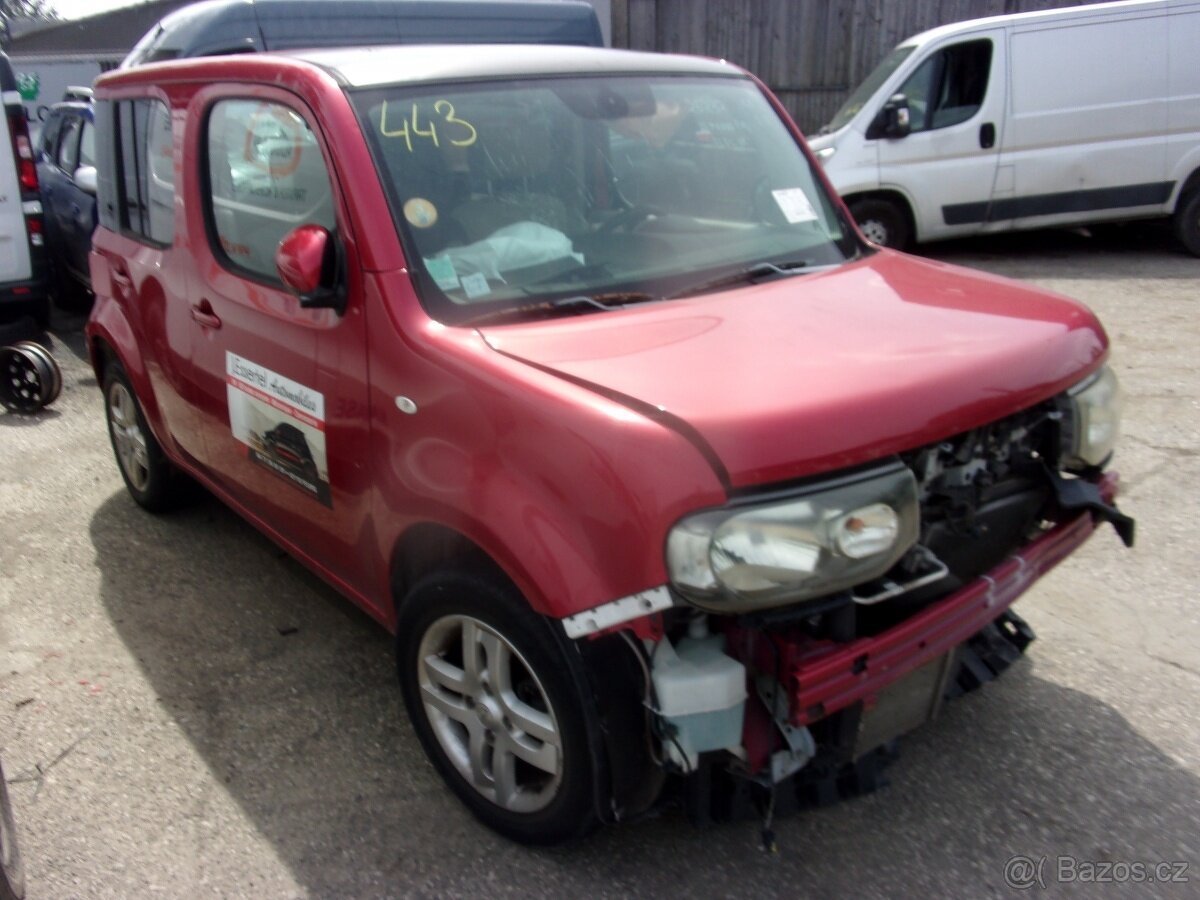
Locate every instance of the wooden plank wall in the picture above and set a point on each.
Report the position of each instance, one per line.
(811, 52)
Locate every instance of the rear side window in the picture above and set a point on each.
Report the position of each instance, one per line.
(267, 176)
(87, 145)
(68, 146)
(146, 170)
(49, 139)
(949, 87)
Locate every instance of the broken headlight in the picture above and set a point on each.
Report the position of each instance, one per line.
(1092, 421)
(813, 543)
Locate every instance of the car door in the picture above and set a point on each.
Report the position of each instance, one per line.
(946, 164)
(50, 180)
(283, 389)
(80, 205)
(61, 189)
(142, 265)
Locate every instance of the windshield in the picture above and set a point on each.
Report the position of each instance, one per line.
(867, 89)
(515, 194)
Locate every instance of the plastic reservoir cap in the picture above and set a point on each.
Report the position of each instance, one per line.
(698, 677)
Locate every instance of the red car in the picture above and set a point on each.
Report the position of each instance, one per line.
(653, 465)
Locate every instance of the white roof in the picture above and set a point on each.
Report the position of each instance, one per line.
(416, 64)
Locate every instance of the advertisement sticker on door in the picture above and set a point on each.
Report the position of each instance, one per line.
(282, 424)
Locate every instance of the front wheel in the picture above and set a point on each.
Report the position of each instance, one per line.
(1187, 222)
(493, 701)
(882, 222)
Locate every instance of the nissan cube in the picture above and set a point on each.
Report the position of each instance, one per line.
(568, 367)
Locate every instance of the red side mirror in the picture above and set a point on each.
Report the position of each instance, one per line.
(300, 259)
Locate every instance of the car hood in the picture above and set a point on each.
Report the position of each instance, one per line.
(815, 372)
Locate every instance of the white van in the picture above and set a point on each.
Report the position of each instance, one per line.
(1079, 115)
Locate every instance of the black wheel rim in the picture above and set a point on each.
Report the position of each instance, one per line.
(25, 380)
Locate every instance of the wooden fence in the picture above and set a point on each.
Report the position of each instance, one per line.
(811, 53)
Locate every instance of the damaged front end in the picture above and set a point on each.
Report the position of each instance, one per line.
(813, 625)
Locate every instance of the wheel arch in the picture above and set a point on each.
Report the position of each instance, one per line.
(1188, 185)
(896, 198)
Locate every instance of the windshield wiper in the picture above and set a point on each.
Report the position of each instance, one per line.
(609, 302)
(749, 274)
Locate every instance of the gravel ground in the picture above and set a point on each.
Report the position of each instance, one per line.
(184, 712)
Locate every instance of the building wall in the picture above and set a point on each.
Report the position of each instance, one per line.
(811, 53)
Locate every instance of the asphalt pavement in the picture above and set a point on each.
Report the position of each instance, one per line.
(185, 712)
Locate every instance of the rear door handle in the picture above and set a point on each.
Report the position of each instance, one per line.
(203, 313)
(123, 283)
(987, 135)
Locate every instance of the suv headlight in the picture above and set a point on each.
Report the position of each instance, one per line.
(1093, 421)
(813, 543)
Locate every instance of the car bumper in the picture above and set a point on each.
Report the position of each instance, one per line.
(822, 677)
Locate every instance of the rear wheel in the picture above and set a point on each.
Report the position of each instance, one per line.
(144, 467)
(1187, 222)
(882, 222)
(495, 706)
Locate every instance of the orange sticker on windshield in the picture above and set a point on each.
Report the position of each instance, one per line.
(420, 212)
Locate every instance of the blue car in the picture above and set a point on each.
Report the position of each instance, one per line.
(67, 176)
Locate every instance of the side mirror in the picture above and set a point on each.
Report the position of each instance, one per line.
(897, 120)
(308, 263)
(85, 179)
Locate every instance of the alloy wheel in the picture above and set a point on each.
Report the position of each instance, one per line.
(490, 714)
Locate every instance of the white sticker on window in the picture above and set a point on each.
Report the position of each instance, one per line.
(795, 205)
(475, 285)
(282, 424)
(441, 270)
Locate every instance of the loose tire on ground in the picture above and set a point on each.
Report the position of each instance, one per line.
(882, 222)
(495, 705)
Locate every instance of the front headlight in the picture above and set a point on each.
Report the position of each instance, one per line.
(817, 542)
(1093, 421)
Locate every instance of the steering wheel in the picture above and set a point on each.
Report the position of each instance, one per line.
(628, 219)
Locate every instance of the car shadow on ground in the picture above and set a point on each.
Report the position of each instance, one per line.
(1149, 245)
(288, 695)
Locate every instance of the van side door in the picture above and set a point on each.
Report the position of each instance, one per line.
(283, 391)
(1087, 138)
(946, 164)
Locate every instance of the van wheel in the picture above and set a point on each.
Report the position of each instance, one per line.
(882, 222)
(1187, 222)
(144, 467)
(12, 872)
(492, 699)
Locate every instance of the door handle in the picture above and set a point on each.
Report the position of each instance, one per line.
(987, 135)
(123, 283)
(203, 313)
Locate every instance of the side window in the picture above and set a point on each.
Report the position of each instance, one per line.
(68, 146)
(266, 176)
(146, 172)
(949, 87)
(87, 145)
(49, 140)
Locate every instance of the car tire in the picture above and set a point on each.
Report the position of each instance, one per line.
(147, 473)
(496, 706)
(1187, 222)
(882, 222)
(12, 871)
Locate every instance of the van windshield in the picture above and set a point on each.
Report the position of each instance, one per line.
(865, 91)
(603, 189)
